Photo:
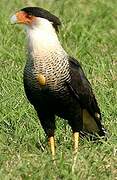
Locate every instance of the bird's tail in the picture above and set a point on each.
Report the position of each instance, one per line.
(92, 129)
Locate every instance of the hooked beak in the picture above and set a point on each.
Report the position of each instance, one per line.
(22, 17)
(13, 19)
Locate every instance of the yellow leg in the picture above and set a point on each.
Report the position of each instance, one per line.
(52, 146)
(76, 141)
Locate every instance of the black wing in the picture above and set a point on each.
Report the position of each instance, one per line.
(80, 87)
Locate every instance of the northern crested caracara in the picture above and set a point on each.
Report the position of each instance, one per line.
(54, 82)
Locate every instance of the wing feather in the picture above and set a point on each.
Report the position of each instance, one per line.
(81, 88)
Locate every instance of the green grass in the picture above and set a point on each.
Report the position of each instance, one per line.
(88, 33)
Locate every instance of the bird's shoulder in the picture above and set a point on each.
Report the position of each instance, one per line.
(78, 78)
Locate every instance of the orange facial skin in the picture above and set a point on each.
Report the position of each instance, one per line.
(24, 18)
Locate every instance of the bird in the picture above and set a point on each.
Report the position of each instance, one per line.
(54, 82)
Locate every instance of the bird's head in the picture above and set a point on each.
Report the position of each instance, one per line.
(35, 16)
(41, 27)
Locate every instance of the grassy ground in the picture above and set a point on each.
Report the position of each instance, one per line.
(89, 34)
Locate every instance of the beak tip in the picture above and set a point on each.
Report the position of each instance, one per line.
(13, 19)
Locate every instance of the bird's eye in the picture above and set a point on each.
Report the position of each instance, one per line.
(28, 16)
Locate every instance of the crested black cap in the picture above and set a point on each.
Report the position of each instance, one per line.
(40, 12)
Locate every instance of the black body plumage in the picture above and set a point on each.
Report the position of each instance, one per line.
(69, 104)
(72, 98)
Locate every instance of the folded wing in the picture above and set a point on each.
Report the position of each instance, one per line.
(81, 89)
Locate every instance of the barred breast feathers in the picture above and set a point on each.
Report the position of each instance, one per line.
(46, 55)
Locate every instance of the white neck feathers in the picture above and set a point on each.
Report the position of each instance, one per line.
(42, 36)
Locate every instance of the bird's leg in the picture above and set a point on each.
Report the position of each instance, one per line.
(47, 120)
(75, 141)
(52, 146)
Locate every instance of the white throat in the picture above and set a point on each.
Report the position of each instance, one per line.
(42, 37)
